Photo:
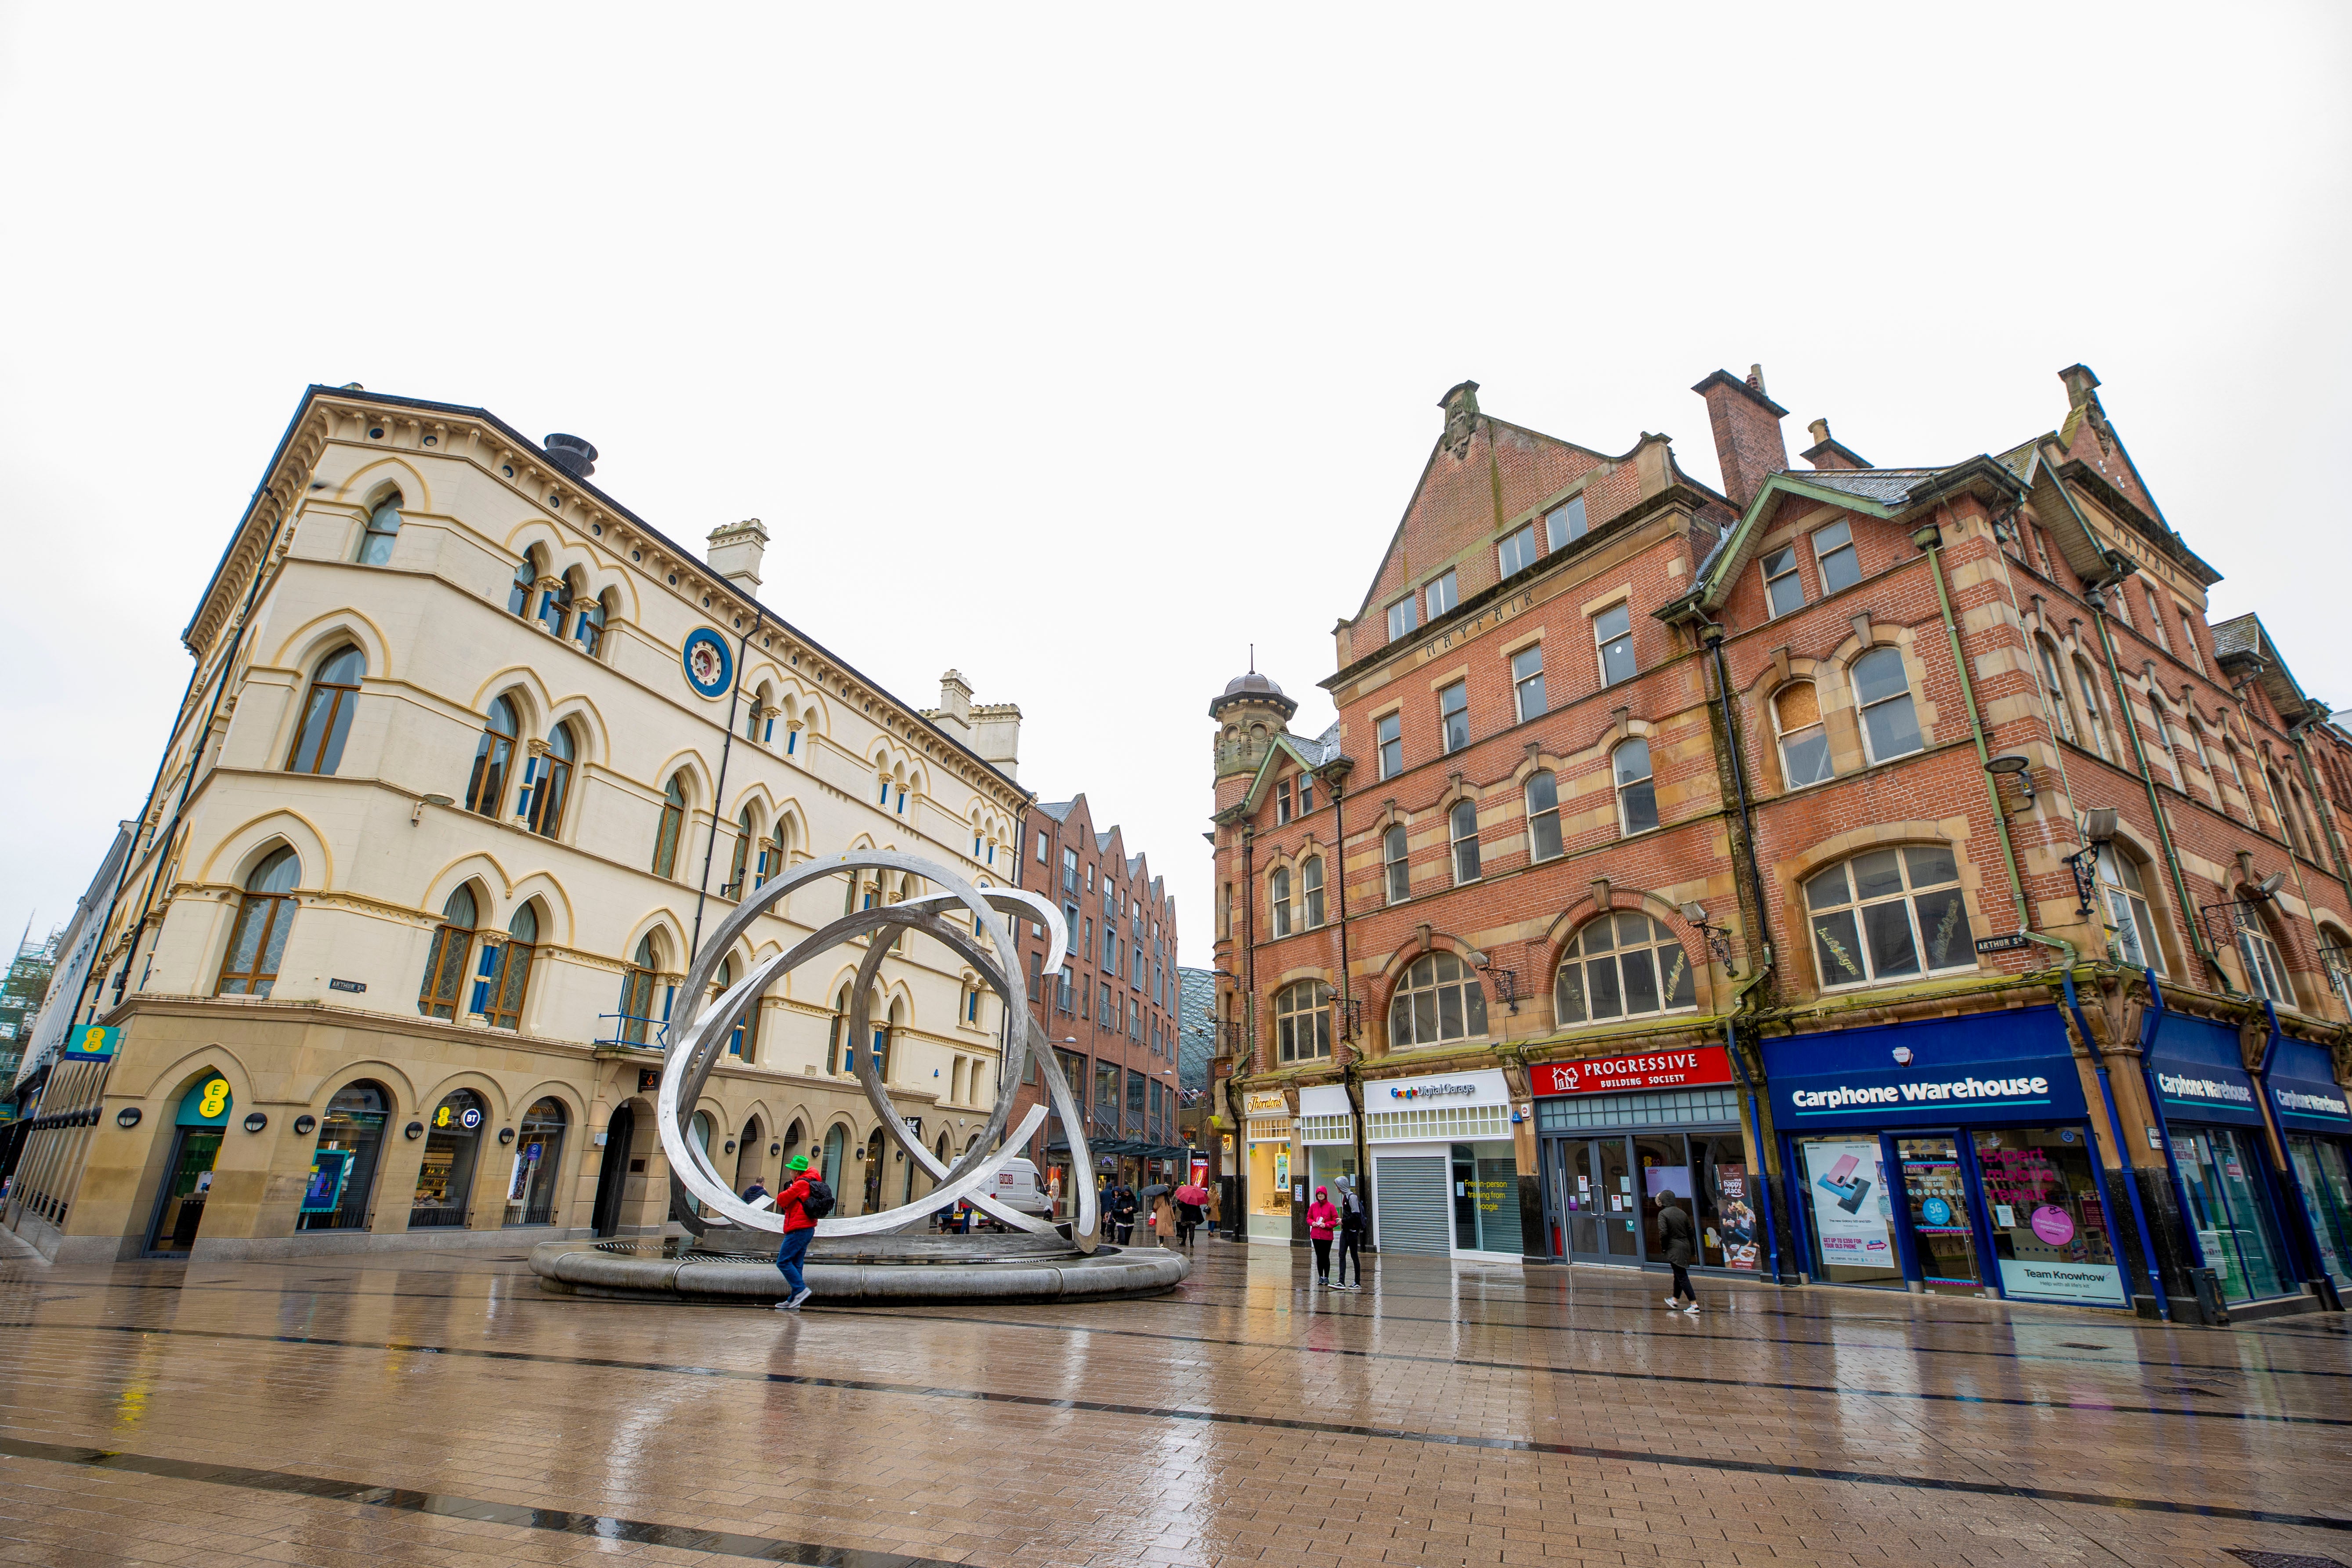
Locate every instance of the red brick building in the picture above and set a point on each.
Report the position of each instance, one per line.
(1890, 865)
(1112, 1010)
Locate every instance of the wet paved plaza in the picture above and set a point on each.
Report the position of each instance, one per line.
(439, 1407)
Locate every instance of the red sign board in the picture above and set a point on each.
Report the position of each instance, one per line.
(1650, 1069)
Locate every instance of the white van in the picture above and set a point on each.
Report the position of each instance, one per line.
(1015, 1186)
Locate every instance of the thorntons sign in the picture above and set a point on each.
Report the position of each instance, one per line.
(1651, 1069)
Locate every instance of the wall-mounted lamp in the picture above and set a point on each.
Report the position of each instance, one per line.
(775, 1148)
(2022, 766)
(730, 1146)
(2270, 885)
(305, 1124)
(127, 1117)
(506, 1135)
(418, 813)
(1717, 938)
(257, 1121)
(414, 1130)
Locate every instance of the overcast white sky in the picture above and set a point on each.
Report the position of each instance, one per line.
(1078, 348)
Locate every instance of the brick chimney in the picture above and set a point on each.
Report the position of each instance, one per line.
(1828, 452)
(1747, 432)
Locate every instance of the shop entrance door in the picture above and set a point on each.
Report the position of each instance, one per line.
(186, 1188)
(1937, 1192)
(1593, 1197)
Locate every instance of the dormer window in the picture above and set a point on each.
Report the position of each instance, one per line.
(1401, 618)
(1282, 802)
(1444, 595)
(1565, 524)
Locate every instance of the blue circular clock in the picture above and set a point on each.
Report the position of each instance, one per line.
(708, 665)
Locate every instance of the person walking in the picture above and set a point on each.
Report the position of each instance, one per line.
(1123, 1214)
(1163, 1219)
(1216, 1208)
(800, 1227)
(1322, 1224)
(1674, 1230)
(755, 1192)
(1353, 1225)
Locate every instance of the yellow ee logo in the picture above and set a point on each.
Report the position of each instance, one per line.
(93, 1039)
(441, 1117)
(215, 1100)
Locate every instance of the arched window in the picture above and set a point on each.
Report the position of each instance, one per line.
(1302, 1020)
(343, 1163)
(524, 583)
(2204, 758)
(2053, 689)
(719, 989)
(531, 1192)
(383, 527)
(638, 992)
(2265, 969)
(883, 1032)
(545, 814)
(747, 831)
(505, 971)
(763, 703)
(673, 825)
(837, 1144)
(2095, 712)
(2336, 962)
(1623, 966)
(1805, 744)
(1637, 795)
(1392, 857)
(485, 791)
(1438, 998)
(1889, 914)
(445, 1178)
(327, 716)
(445, 965)
(1543, 816)
(1277, 890)
(1461, 826)
(588, 624)
(264, 917)
(836, 1049)
(1310, 898)
(2128, 911)
(1882, 691)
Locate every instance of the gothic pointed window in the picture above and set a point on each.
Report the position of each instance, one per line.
(673, 826)
(554, 783)
(264, 916)
(504, 974)
(493, 756)
(382, 528)
(444, 963)
(327, 712)
(637, 992)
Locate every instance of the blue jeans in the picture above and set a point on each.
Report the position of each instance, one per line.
(789, 1255)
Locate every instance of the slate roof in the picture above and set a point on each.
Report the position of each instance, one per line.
(1888, 486)
(2241, 635)
(1322, 748)
(1059, 810)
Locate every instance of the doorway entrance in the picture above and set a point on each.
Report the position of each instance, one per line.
(1603, 1195)
(612, 1175)
(188, 1178)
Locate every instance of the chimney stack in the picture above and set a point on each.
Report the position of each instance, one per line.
(1828, 452)
(735, 550)
(1747, 425)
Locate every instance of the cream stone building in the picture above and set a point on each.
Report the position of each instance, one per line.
(472, 759)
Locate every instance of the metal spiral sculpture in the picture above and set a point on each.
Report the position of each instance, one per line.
(696, 1050)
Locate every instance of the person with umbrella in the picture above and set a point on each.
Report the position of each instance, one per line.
(1190, 1199)
(1154, 1198)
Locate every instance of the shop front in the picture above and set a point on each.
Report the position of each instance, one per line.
(1444, 1173)
(1327, 1137)
(1268, 1131)
(188, 1174)
(1951, 1157)
(2314, 1117)
(1618, 1136)
(2213, 1124)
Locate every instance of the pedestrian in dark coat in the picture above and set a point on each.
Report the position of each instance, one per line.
(1675, 1229)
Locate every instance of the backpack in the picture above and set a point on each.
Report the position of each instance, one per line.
(818, 1203)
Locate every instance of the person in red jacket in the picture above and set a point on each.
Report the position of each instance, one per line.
(1322, 1220)
(799, 1231)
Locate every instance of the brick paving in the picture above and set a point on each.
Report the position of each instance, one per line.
(438, 1408)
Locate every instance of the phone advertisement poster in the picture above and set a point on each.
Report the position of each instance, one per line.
(1845, 1183)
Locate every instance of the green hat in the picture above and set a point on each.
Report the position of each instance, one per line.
(797, 1162)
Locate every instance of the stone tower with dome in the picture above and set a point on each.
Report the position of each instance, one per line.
(1250, 712)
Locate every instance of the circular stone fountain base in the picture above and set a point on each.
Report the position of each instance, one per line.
(861, 1270)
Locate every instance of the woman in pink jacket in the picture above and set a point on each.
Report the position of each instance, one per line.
(1322, 1220)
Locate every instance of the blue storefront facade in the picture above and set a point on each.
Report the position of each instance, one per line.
(2214, 1129)
(1949, 1156)
(2314, 1124)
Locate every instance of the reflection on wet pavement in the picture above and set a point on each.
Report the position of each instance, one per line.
(437, 1407)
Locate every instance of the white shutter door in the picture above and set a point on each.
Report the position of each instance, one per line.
(1412, 1205)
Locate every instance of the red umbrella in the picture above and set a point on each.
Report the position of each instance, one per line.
(1192, 1193)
